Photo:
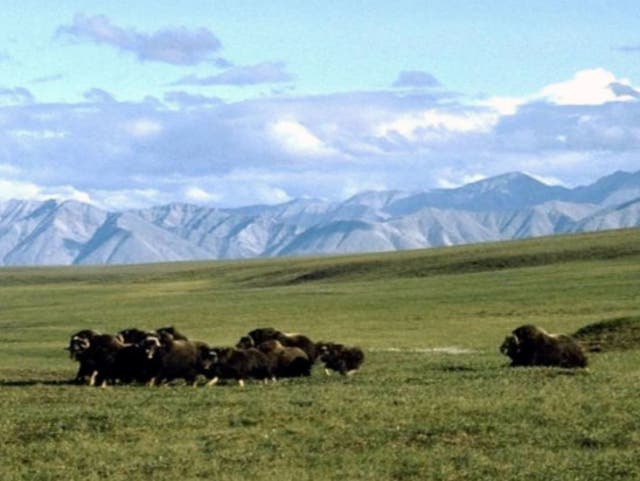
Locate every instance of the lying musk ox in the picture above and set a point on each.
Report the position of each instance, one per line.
(264, 334)
(179, 359)
(285, 361)
(337, 357)
(529, 345)
(238, 364)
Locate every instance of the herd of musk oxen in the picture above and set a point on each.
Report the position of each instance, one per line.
(164, 355)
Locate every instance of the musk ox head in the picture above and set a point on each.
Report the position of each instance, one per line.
(80, 342)
(510, 346)
(245, 342)
(151, 345)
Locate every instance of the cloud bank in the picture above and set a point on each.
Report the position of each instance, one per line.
(196, 148)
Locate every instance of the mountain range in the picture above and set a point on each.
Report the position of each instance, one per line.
(509, 206)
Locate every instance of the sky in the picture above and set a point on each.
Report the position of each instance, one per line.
(235, 102)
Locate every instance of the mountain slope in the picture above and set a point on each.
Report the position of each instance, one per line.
(510, 206)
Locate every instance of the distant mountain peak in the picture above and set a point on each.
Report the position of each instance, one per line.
(508, 206)
(504, 181)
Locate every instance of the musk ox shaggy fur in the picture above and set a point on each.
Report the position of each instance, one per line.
(78, 348)
(238, 364)
(258, 336)
(179, 359)
(173, 332)
(529, 345)
(98, 355)
(134, 335)
(286, 361)
(337, 357)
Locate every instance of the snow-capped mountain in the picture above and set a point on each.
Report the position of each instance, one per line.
(510, 206)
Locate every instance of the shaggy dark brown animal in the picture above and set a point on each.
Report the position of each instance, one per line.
(134, 336)
(263, 334)
(173, 332)
(337, 357)
(78, 346)
(132, 363)
(179, 359)
(300, 341)
(286, 361)
(238, 364)
(529, 345)
(100, 354)
(258, 336)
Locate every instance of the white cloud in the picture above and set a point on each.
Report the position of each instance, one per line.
(198, 195)
(10, 189)
(130, 198)
(13, 189)
(272, 195)
(128, 154)
(503, 105)
(587, 87)
(354, 186)
(143, 128)
(433, 123)
(296, 139)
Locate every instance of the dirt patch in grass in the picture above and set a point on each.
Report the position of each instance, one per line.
(610, 335)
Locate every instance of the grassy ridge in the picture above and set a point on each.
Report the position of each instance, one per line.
(412, 413)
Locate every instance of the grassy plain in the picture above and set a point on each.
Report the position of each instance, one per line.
(417, 410)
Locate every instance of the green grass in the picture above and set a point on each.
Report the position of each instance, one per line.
(413, 412)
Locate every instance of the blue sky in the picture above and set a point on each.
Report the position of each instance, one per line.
(128, 104)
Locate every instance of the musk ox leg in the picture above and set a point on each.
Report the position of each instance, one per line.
(213, 381)
(327, 371)
(241, 382)
(351, 372)
(152, 382)
(92, 379)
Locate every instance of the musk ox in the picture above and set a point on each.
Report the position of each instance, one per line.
(179, 359)
(285, 361)
(238, 364)
(337, 357)
(132, 362)
(78, 351)
(98, 353)
(529, 345)
(134, 336)
(173, 332)
(107, 359)
(258, 336)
